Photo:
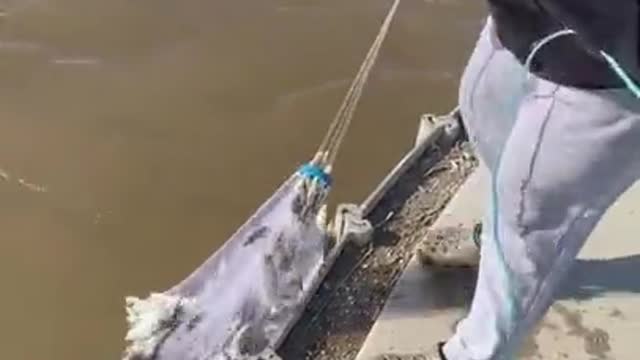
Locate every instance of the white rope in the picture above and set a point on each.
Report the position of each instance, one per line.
(339, 126)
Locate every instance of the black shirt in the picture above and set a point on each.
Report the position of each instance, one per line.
(609, 25)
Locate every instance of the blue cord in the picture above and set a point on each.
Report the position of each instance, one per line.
(622, 74)
(512, 309)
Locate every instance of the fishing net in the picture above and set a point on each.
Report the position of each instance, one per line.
(240, 303)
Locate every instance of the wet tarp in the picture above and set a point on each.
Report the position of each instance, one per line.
(241, 302)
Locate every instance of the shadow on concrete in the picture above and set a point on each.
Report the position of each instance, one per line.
(422, 293)
(595, 278)
(454, 290)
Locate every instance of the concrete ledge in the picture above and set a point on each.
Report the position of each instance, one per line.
(597, 316)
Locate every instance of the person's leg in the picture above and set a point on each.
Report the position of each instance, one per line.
(570, 154)
(491, 88)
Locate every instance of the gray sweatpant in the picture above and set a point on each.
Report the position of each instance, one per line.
(559, 157)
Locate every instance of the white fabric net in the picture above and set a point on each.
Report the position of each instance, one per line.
(242, 301)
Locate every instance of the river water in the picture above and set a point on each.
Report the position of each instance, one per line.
(136, 136)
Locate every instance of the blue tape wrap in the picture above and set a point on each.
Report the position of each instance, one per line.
(314, 172)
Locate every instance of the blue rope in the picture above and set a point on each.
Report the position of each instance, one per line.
(512, 309)
(314, 172)
(622, 74)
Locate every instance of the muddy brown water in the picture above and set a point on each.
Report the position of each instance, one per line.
(136, 136)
